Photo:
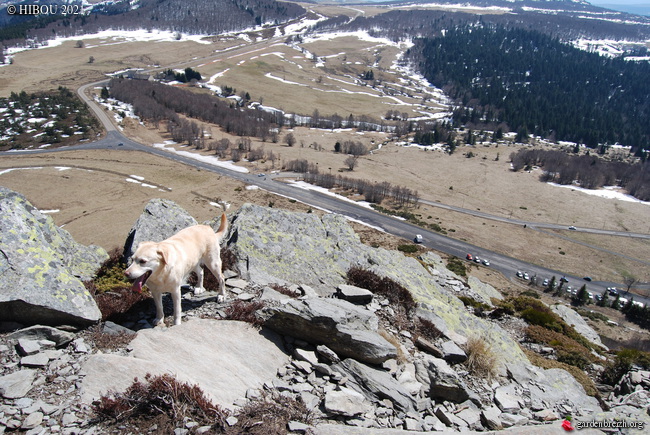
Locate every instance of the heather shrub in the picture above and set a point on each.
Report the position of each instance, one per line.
(568, 350)
(457, 266)
(245, 312)
(162, 401)
(621, 364)
(578, 374)
(270, 414)
(391, 290)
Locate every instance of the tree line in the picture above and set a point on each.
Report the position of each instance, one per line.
(373, 192)
(538, 85)
(589, 171)
(157, 102)
(196, 17)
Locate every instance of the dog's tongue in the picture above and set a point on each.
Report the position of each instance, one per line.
(137, 285)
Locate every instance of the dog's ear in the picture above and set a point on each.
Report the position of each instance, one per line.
(164, 254)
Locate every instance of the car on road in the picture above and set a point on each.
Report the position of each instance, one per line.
(545, 283)
(572, 228)
(477, 260)
(261, 175)
(526, 276)
(613, 291)
(520, 274)
(469, 257)
(485, 262)
(418, 238)
(564, 279)
(587, 278)
(120, 144)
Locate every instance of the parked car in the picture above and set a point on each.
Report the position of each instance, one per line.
(520, 274)
(486, 262)
(418, 238)
(572, 228)
(477, 260)
(526, 276)
(613, 291)
(545, 283)
(469, 257)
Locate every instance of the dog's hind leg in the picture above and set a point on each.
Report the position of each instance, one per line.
(214, 266)
(198, 288)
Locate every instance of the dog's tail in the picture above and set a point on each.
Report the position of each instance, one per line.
(223, 227)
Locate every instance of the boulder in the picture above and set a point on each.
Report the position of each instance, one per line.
(376, 385)
(345, 402)
(581, 326)
(283, 247)
(440, 380)
(346, 329)
(214, 354)
(42, 268)
(160, 220)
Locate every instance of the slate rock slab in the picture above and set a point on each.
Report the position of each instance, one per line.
(214, 354)
(42, 268)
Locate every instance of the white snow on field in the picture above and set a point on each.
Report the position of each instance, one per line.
(609, 192)
(306, 186)
(211, 160)
(452, 7)
(111, 37)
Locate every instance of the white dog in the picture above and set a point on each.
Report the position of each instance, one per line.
(166, 265)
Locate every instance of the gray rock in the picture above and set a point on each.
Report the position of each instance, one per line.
(215, 354)
(160, 220)
(32, 420)
(353, 294)
(38, 360)
(345, 402)
(42, 268)
(452, 353)
(346, 329)
(305, 355)
(296, 426)
(115, 329)
(237, 283)
(41, 332)
(579, 324)
(509, 420)
(28, 347)
(449, 418)
(507, 398)
(440, 380)
(327, 353)
(485, 291)
(490, 418)
(268, 294)
(16, 385)
(376, 384)
(428, 347)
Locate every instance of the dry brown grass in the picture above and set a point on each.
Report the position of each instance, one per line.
(579, 375)
(482, 361)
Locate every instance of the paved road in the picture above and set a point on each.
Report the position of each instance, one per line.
(508, 266)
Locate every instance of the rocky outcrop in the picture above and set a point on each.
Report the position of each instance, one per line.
(346, 329)
(327, 352)
(160, 220)
(579, 324)
(42, 268)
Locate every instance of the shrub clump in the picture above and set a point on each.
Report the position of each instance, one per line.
(408, 249)
(568, 350)
(578, 374)
(111, 290)
(106, 341)
(399, 297)
(245, 312)
(621, 364)
(161, 400)
(270, 414)
(457, 266)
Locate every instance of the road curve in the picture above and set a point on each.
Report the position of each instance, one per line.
(508, 266)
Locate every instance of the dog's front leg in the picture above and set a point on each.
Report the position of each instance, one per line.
(176, 299)
(160, 314)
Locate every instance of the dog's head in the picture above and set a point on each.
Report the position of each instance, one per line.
(146, 260)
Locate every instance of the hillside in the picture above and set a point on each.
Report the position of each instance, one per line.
(196, 17)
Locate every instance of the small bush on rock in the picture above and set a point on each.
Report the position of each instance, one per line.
(399, 297)
(270, 414)
(162, 401)
(457, 266)
(245, 312)
(578, 374)
(622, 363)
